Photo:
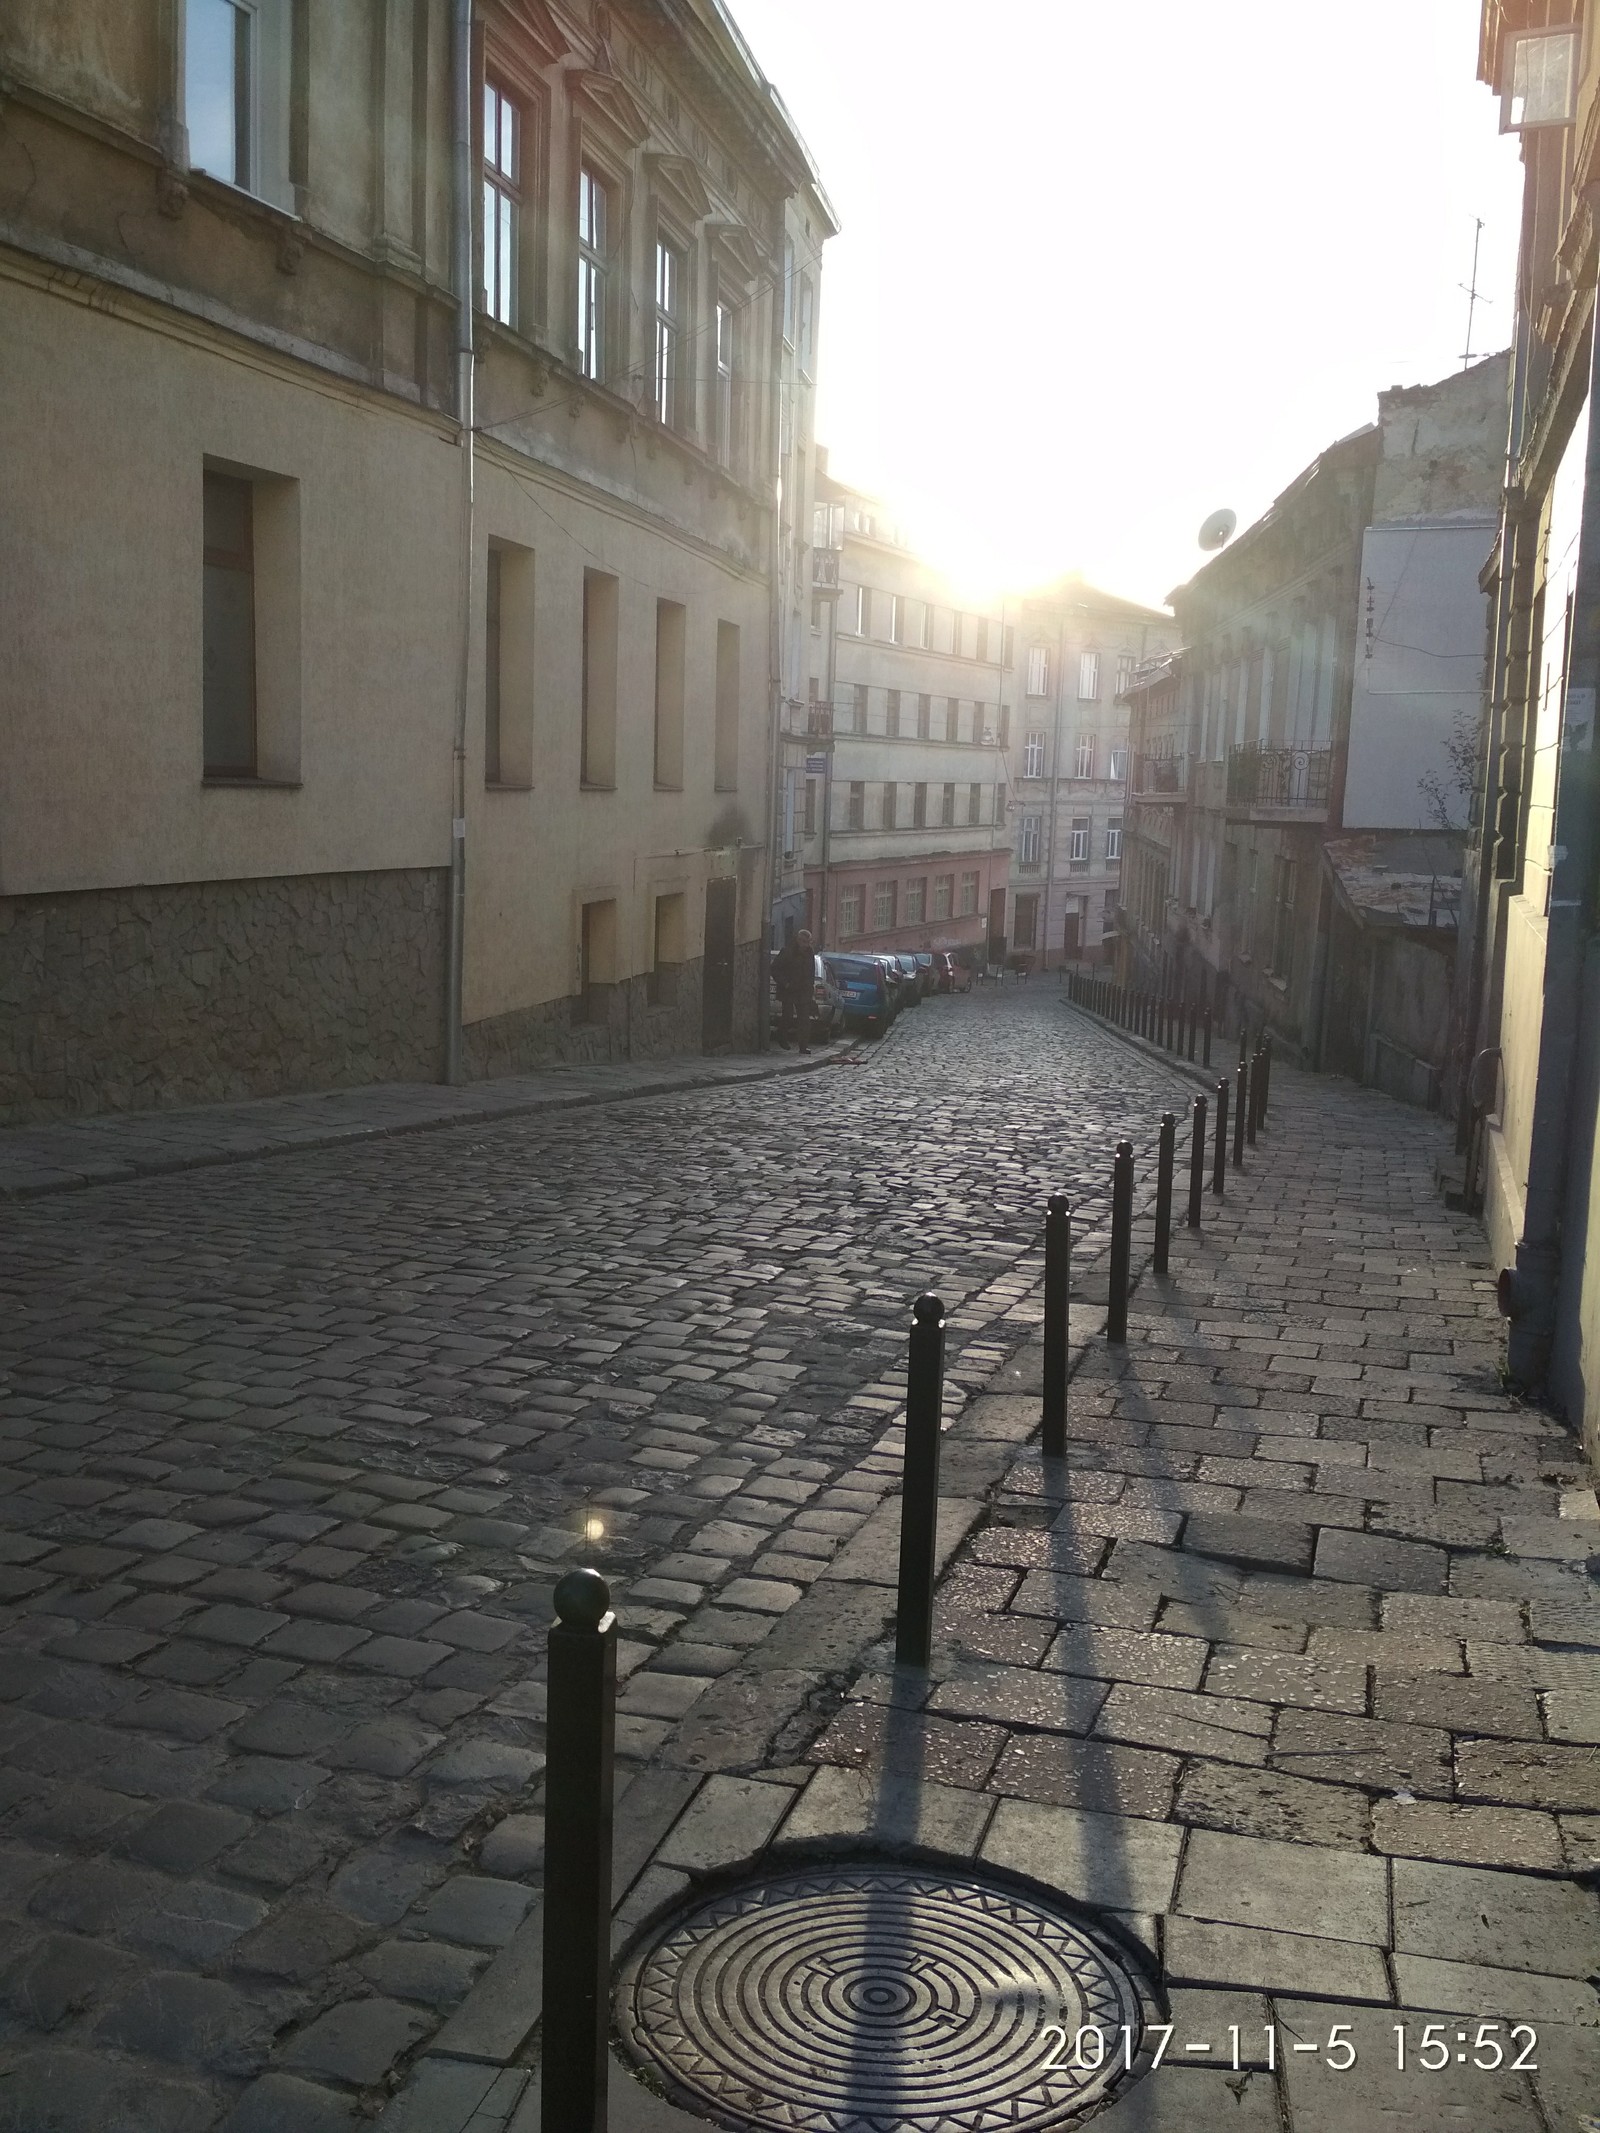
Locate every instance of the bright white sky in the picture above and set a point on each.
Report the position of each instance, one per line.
(1108, 267)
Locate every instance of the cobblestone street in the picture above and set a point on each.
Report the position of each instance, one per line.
(294, 1450)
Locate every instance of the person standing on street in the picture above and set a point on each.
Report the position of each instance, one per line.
(794, 972)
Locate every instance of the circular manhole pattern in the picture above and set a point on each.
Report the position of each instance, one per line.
(896, 1998)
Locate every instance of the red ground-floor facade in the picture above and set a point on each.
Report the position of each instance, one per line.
(938, 900)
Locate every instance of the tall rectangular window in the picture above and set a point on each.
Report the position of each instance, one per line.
(891, 804)
(670, 643)
(813, 787)
(669, 305)
(1083, 757)
(661, 988)
(597, 961)
(849, 913)
(1028, 840)
(1114, 838)
(916, 901)
(947, 810)
(229, 628)
(855, 815)
(220, 66)
(883, 902)
(862, 703)
(1088, 677)
(502, 155)
(1125, 666)
(891, 718)
(859, 610)
(725, 386)
(1038, 670)
(599, 708)
(974, 803)
(1033, 756)
(943, 894)
(1119, 765)
(969, 895)
(726, 767)
(808, 320)
(897, 619)
(919, 806)
(593, 208)
(1078, 850)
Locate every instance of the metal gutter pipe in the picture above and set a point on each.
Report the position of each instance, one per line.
(461, 274)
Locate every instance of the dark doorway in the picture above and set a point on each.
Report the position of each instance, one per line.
(716, 1013)
(1069, 936)
(997, 925)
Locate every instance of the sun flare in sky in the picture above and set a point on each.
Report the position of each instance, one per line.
(1104, 269)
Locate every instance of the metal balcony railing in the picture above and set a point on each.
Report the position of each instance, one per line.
(1278, 777)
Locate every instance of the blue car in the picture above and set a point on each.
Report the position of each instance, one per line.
(863, 992)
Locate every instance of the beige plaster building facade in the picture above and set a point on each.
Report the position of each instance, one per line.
(371, 709)
(904, 821)
(1078, 648)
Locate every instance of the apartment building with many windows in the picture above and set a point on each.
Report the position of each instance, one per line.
(393, 640)
(905, 820)
(1077, 648)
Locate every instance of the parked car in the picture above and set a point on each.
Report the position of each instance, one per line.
(864, 992)
(827, 1009)
(911, 971)
(924, 963)
(951, 975)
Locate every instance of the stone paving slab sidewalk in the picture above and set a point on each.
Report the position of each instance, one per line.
(66, 1154)
(1291, 1672)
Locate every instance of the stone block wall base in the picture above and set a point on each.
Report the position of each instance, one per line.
(212, 991)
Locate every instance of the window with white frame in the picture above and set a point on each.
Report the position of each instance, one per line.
(1083, 756)
(593, 208)
(1088, 677)
(969, 895)
(1125, 666)
(1078, 848)
(849, 913)
(1029, 828)
(1038, 670)
(855, 816)
(1033, 756)
(725, 354)
(669, 302)
(236, 71)
(883, 900)
(1119, 766)
(943, 888)
(897, 619)
(502, 158)
(1114, 838)
(916, 901)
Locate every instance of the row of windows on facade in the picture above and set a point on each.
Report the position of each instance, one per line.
(887, 811)
(910, 903)
(682, 285)
(1266, 922)
(233, 627)
(1084, 755)
(1038, 683)
(599, 964)
(921, 626)
(237, 65)
(1080, 840)
(902, 715)
(1280, 694)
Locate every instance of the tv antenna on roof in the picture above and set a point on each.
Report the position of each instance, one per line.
(1471, 290)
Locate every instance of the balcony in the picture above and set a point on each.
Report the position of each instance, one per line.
(1160, 777)
(807, 721)
(1279, 783)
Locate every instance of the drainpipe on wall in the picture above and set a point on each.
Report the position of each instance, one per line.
(1530, 1293)
(461, 269)
(775, 657)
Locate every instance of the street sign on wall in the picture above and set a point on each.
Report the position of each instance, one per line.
(816, 765)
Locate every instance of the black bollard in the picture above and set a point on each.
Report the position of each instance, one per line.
(1164, 1153)
(1057, 1291)
(1241, 1105)
(1219, 1166)
(919, 1500)
(1121, 1242)
(1206, 1057)
(580, 1731)
(1197, 1161)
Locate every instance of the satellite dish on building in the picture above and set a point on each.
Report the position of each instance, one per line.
(1218, 529)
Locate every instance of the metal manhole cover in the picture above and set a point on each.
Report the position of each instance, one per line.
(884, 1997)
